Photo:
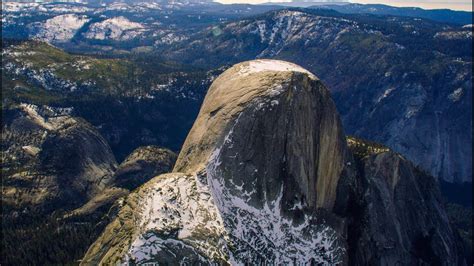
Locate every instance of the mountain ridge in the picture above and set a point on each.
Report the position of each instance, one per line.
(132, 77)
(408, 66)
(396, 73)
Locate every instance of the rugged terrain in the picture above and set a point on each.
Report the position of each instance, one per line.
(407, 81)
(441, 15)
(51, 159)
(60, 179)
(105, 83)
(117, 27)
(266, 175)
(132, 102)
(143, 164)
(404, 84)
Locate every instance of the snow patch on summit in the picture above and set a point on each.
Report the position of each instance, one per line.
(263, 65)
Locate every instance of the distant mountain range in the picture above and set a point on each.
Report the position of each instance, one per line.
(441, 15)
(399, 92)
(343, 6)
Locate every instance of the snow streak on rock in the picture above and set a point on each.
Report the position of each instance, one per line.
(266, 235)
(197, 215)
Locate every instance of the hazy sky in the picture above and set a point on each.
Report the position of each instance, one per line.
(427, 4)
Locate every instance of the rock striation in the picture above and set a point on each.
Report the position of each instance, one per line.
(280, 120)
(266, 176)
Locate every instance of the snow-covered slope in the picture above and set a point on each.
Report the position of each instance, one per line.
(286, 28)
(17, 7)
(52, 8)
(117, 28)
(455, 35)
(183, 205)
(60, 28)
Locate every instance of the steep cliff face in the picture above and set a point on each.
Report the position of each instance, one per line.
(400, 216)
(51, 158)
(280, 121)
(266, 176)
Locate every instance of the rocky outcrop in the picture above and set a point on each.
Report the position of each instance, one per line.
(143, 164)
(52, 160)
(140, 166)
(399, 217)
(266, 176)
(61, 184)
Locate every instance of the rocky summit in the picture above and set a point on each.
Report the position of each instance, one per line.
(266, 176)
